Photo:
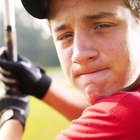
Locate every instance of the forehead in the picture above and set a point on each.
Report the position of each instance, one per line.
(70, 11)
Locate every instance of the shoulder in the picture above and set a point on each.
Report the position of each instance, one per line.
(119, 100)
(120, 111)
(119, 105)
(116, 117)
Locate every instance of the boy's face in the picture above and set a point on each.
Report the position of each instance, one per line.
(97, 42)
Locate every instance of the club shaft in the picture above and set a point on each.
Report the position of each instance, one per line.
(9, 29)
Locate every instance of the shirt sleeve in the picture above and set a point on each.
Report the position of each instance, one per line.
(113, 118)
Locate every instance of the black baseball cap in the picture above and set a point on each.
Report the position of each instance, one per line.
(36, 8)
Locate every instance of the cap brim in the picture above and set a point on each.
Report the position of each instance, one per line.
(35, 8)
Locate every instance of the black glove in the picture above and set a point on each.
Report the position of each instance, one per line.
(13, 107)
(29, 78)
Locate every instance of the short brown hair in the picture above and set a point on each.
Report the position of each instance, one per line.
(134, 5)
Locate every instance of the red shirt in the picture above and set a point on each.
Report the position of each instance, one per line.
(116, 117)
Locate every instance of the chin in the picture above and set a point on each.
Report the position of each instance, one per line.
(92, 100)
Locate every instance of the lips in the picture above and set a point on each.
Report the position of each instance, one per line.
(86, 71)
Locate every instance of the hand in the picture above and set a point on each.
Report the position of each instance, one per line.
(25, 76)
(13, 107)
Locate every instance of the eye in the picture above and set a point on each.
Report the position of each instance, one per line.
(103, 26)
(65, 36)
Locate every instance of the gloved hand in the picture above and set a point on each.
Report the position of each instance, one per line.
(13, 107)
(29, 78)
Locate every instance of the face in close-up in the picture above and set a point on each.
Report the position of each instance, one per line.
(97, 42)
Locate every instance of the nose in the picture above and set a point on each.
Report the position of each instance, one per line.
(84, 49)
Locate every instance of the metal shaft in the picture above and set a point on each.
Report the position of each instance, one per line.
(9, 29)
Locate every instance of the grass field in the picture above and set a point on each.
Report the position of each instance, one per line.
(44, 123)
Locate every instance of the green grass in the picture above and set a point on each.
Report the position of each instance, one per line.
(52, 70)
(44, 123)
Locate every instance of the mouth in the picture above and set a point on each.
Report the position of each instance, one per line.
(87, 72)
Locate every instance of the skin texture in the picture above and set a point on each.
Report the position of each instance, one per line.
(97, 42)
(96, 45)
(11, 130)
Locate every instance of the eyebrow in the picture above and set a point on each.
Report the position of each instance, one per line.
(89, 17)
(60, 27)
(99, 15)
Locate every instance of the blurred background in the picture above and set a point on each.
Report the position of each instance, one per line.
(35, 42)
(33, 37)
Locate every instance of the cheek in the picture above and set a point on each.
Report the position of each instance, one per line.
(64, 55)
(117, 54)
(121, 62)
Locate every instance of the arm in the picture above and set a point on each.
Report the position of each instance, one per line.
(65, 100)
(33, 80)
(13, 114)
(11, 130)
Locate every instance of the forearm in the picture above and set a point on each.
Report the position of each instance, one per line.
(11, 130)
(65, 100)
